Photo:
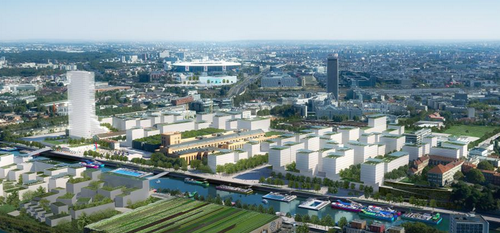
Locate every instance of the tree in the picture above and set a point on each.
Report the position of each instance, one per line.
(412, 200)
(83, 221)
(303, 229)
(485, 165)
(342, 222)
(475, 176)
(458, 175)
(432, 203)
(298, 218)
(388, 197)
(327, 220)
(13, 199)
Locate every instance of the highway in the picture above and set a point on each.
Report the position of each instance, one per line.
(240, 87)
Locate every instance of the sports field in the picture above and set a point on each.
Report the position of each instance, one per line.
(183, 215)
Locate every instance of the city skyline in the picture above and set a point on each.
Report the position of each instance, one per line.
(249, 20)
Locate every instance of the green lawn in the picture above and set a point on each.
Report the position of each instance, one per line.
(55, 142)
(469, 130)
(6, 209)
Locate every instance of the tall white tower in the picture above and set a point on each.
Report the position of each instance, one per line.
(82, 119)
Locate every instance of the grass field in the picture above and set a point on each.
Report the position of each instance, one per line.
(184, 215)
(6, 209)
(55, 142)
(469, 130)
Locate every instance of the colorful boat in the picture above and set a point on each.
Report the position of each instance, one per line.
(352, 207)
(8, 149)
(197, 182)
(234, 189)
(433, 219)
(384, 209)
(92, 164)
(279, 197)
(377, 215)
(191, 194)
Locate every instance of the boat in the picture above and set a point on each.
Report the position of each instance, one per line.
(352, 207)
(191, 194)
(8, 149)
(197, 182)
(279, 197)
(88, 165)
(377, 215)
(92, 164)
(314, 204)
(234, 189)
(158, 181)
(264, 201)
(427, 218)
(384, 209)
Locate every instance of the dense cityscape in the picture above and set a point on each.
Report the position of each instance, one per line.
(292, 135)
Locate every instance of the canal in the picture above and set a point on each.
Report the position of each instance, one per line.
(284, 207)
(256, 199)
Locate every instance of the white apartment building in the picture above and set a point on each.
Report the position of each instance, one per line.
(349, 133)
(415, 151)
(460, 145)
(220, 158)
(311, 142)
(372, 172)
(83, 122)
(368, 138)
(362, 151)
(307, 162)
(450, 152)
(255, 123)
(279, 157)
(393, 142)
(334, 162)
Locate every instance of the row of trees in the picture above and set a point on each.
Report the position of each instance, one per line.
(475, 196)
(242, 164)
(94, 154)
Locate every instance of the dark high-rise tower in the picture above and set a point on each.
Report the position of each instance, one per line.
(332, 75)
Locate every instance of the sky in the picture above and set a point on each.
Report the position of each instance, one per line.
(226, 20)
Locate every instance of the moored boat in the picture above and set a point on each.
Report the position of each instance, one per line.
(197, 182)
(279, 197)
(384, 209)
(377, 215)
(352, 207)
(234, 189)
(427, 218)
(8, 149)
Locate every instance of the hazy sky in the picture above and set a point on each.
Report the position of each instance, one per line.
(225, 20)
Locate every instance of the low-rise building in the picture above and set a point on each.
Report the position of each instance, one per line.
(442, 175)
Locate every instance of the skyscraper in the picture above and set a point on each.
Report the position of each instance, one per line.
(332, 75)
(83, 121)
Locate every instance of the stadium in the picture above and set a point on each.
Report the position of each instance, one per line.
(205, 66)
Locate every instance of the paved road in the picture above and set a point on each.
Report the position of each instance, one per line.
(239, 88)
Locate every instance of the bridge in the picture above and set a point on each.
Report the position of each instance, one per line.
(157, 176)
(37, 152)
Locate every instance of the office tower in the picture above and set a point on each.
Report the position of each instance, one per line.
(83, 122)
(332, 75)
(468, 223)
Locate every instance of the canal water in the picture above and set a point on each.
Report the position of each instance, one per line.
(284, 207)
(256, 198)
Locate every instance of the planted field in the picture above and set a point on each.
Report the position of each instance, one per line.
(184, 215)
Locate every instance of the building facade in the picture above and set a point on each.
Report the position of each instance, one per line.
(83, 122)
